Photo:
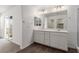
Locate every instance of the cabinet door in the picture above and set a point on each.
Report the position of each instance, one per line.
(46, 38)
(52, 40)
(35, 36)
(39, 36)
(58, 40)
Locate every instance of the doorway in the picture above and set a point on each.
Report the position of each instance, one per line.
(8, 27)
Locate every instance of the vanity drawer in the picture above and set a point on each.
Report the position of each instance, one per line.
(60, 34)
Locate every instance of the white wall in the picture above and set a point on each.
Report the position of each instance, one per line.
(17, 23)
(72, 26)
(2, 26)
(27, 26)
(78, 28)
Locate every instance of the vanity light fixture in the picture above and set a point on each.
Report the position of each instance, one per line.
(58, 8)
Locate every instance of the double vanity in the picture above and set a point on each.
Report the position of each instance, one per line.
(52, 38)
(51, 29)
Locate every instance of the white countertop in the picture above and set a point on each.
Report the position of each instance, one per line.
(53, 30)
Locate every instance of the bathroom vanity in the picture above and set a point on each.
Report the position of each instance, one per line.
(51, 29)
(52, 38)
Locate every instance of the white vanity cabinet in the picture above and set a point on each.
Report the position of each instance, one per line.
(39, 37)
(58, 40)
(51, 38)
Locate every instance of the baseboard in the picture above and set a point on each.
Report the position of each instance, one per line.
(25, 47)
(22, 47)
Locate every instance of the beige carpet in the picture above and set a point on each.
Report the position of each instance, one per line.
(8, 47)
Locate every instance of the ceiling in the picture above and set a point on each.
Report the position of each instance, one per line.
(3, 8)
(40, 7)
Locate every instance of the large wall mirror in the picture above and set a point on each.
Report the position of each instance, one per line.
(51, 23)
(57, 21)
(60, 23)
